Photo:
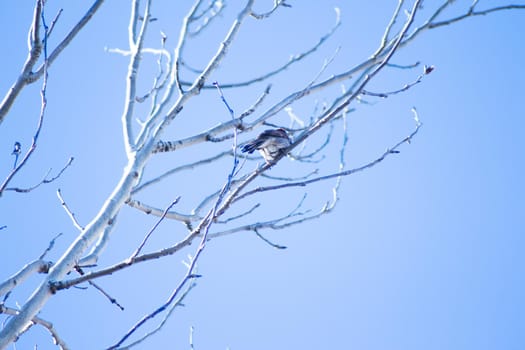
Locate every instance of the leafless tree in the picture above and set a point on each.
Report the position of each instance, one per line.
(241, 182)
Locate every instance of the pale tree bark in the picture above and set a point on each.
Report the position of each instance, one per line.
(169, 95)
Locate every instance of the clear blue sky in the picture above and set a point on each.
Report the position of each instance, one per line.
(423, 251)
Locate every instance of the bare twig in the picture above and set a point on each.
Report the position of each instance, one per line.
(49, 247)
(136, 41)
(148, 235)
(44, 181)
(473, 13)
(205, 227)
(68, 211)
(236, 217)
(189, 166)
(277, 4)
(35, 48)
(207, 15)
(170, 311)
(388, 152)
(282, 178)
(40, 321)
(182, 43)
(221, 200)
(35, 53)
(101, 244)
(53, 22)
(388, 29)
(150, 210)
(276, 246)
(186, 241)
(426, 70)
(100, 289)
(292, 60)
(36, 266)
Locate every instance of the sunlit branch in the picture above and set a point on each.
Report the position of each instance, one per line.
(50, 246)
(256, 104)
(101, 290)
(388, 29)
(189, 238)
(191, 338)
(284, 222)
(36, 266)
(44, 181)
(297, 178)
(211, 197)
(158, 85)
(181, 44)
(65, 284)
(39, 321)
(36, 45)
(388, 152)
(403, 66)
(201, 79)
(267, 241)
(69, 212)
(207, 15)
(150, 210)
(273, 224)
(293, 59)
(111, 207)
(35, 48)
(53, 22)
(307, 158)
(205, 225)
(158, 82)
(101, 244)
(136, 42)
(211, 135)
(426, 70)
(220, 201)
(236, 217)
(330, 116)
(176, 303)
(148, 235)
(472, 13)
(277, 4)
(189, 166)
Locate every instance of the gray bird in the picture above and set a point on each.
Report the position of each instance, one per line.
(270, 143)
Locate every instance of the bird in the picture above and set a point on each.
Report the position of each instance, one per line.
(17, 148)
(270, 143)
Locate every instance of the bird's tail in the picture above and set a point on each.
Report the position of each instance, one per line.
(250, 146)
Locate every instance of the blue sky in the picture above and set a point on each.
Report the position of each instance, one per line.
(423, 251)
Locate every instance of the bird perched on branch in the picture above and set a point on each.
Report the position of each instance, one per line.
(270, 143)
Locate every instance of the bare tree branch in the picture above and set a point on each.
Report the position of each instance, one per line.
(44, 181)
(137, 252)
(69, 212)
(57, 340)
(169, 93)
(426, 70)
(36, 266)
(473, 13)
(388, 152)
(277, 4)
(35, 48)
(205, 224)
